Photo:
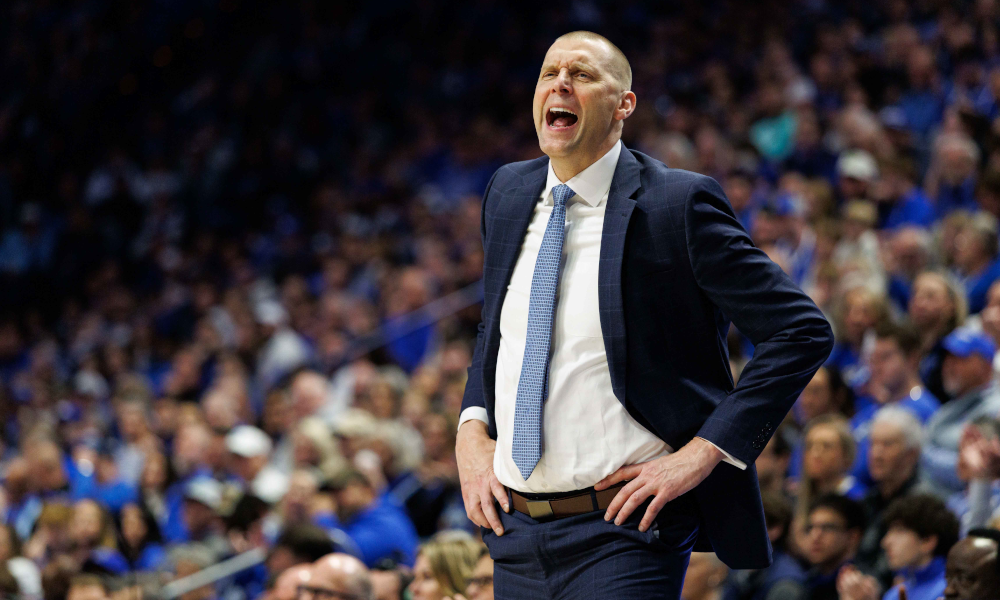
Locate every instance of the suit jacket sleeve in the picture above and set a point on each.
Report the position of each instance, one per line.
(474, 385)
(791, 336)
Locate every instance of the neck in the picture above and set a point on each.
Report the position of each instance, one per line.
(890, 485)
(922, 563)
(568, 167)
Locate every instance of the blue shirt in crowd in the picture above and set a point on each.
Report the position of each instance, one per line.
(383, 530)
(921, 584)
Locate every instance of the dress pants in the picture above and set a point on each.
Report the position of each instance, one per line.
(585, 558)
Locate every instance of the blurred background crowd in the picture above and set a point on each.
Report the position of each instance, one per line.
(239, 256)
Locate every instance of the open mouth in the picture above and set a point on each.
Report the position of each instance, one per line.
(560, 118)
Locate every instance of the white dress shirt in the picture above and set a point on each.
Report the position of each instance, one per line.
(586, 432)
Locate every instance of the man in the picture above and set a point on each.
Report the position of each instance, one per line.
(832, 533)
(87, 587)
(250, 449)
(976, 250)
(921, 531)
(286, 585)
(893, 457)
(626, 377)
(967, 374)
(971, 572)
(202, 502)
(379, 528)
(337, 576)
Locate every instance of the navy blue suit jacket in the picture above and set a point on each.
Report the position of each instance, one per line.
(675, 267)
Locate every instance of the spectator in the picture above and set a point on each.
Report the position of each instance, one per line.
(936, 308)
(832, 534)
(899, 199)
(379, 528)
(896, 438)
(24, 571)
(895, 381)
(337, 574)
(202, 502)
(286, 585)
(785, 578)
(971, 571)
(976, 258)
(87, 587)
(481, 583)
(772, 464)
(142, 544)
(967, 374)
(828, 453)
(389, 581)
(862, 311)
(297, 545)
(93, 539)
(920, 534)
(444, 566)
(250, 449)
(704, 577)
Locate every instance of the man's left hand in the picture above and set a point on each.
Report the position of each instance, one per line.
(663, 478)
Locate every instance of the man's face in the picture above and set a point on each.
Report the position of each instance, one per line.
(971, 571)
(828, 541)
(887, 453)
(904, 548)
(888, 364)
(576, 76)
(817, 399)
(962, 374)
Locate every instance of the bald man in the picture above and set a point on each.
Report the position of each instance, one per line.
(336, 576)
(600, 413)
(971, 572)
(286, 585)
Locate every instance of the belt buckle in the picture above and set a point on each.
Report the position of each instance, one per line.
(539, 509)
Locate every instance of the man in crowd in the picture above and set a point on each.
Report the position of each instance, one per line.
(833, 532)
(379, 528)
(202, 501)
(893, 456)
(972, 571)
(784, 579)
(967, 374)
(337, 576)
(250, 449)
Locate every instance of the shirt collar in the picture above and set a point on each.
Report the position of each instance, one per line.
(591, 184)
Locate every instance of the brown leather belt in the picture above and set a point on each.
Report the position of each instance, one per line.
(574, 503)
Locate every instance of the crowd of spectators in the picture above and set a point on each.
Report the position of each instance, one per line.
(215, 215)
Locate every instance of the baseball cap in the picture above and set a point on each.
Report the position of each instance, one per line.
(205, 490)
(248, 441)
(966, 341)
(857, 164)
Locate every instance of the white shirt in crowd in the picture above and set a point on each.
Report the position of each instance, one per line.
(587, 433)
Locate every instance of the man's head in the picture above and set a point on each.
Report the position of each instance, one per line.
(833, 531)
(299, 544)
(919, 528)
(968, 363)
(202, 501)
(581, 100)
(286, 586)
(772, 464)
(87, 587)
(340, 574)
(971, 572)
(250, 449)
(894, 445)
(354, 493)
(895, 358)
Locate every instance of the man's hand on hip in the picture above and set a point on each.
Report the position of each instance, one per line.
(663, 478)
(474, 451)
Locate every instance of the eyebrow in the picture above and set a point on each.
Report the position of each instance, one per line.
(575, 65)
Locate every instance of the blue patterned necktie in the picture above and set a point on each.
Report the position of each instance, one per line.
(533, 386)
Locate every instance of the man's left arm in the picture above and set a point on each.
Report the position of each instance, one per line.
(791, 340)
(791, 337)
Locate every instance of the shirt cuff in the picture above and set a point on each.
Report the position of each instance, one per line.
(477, 413)
(739, 464)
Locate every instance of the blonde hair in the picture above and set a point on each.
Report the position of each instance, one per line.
(807, 486)
(452, 556)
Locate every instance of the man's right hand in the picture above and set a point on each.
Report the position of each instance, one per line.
(474, 452)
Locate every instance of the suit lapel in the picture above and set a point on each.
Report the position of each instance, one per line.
(609, 280)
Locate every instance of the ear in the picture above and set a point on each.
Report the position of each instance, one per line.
(928, 544)
(626, 105)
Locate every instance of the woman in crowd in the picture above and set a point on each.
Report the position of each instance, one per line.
(937, 306)
(142, 544)
(444, 566)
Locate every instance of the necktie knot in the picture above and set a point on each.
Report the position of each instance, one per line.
(561, 193)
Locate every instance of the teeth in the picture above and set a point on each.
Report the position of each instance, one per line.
(557, 110)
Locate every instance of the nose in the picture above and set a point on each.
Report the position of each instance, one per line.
(564, 83)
